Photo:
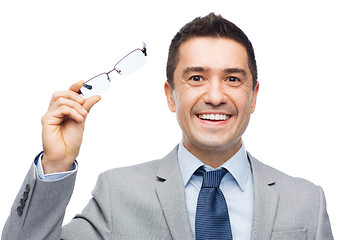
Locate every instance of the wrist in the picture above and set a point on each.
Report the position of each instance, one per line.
(50, 166)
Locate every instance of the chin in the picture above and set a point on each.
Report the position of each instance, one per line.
(215, 144)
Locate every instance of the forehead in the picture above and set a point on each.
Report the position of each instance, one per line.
(212, 52)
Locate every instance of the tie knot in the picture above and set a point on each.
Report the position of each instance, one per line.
(211, 179)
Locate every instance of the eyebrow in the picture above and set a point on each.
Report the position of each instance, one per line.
(206, 69)
(235, 70)
(194, 69)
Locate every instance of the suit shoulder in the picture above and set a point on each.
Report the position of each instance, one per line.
(147, 170)
(280, 178)
(142, 171)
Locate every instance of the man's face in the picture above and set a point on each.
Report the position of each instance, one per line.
(213, 94)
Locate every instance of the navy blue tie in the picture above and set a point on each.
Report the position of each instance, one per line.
(212, 217)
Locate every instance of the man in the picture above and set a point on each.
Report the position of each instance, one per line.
(212, 87)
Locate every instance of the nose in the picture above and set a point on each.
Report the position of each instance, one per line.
(215, 94)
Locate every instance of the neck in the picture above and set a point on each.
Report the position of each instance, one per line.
(214, 157)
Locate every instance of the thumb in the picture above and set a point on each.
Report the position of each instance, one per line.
(90, 102)
(76, 86)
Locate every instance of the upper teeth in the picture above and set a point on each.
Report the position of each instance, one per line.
(214, 117)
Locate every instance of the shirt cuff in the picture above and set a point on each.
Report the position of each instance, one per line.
(51, 176)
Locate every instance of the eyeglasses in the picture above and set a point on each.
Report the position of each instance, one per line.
(127, 65)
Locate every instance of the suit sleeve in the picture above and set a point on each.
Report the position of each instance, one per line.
(39, 208)
(95, 221)
(323, 228)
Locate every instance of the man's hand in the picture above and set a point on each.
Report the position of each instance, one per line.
(63, 127)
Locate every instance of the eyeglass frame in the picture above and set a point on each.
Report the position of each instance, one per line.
(143, 50)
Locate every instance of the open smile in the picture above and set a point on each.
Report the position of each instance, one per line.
(214, 116)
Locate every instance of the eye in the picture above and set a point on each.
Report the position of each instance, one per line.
(196, 78)
(234, 81)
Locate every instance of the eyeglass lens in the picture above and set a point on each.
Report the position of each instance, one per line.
(127, 65)
(95, 86)
(130, 63)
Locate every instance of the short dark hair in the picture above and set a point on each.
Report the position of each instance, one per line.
(209, 26)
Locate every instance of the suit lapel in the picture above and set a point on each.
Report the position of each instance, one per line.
(171, 195)
(265, 201)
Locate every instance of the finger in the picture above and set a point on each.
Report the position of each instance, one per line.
(69, 103)
(76, 86)
(57, 117)
(69, 95)
(65, 112)
(90, 102)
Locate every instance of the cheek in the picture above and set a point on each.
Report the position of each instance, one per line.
(183, 106)
(243, 106)
(185, 100)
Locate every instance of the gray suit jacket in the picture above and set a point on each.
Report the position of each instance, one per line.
(147, 201)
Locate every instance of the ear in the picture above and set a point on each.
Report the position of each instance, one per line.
(254, 97)
(170, 96)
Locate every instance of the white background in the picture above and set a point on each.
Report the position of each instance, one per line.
(307, 118)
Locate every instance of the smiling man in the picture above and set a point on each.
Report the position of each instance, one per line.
(207, 187)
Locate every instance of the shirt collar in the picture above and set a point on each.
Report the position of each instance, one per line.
(238, 165)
